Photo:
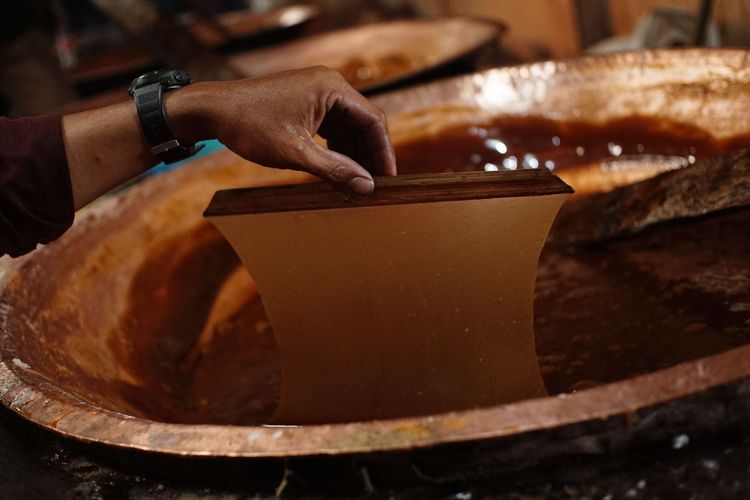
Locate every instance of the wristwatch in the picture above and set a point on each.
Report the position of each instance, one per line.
(147, 91)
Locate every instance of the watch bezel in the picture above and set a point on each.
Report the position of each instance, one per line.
(168, 78)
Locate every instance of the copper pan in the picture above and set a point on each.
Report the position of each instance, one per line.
(244, 25)
(393, 51)
(67, 310)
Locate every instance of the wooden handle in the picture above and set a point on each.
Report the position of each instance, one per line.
(401, 189)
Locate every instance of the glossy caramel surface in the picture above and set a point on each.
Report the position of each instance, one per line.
(513, 142)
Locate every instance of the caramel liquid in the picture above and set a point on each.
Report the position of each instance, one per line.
(510, 143)
(362, 72)
(602, 313)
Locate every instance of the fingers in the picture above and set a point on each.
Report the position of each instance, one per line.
(353, 125)
(289, 109)
(337, 168)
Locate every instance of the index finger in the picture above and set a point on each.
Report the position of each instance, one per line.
(357, 128)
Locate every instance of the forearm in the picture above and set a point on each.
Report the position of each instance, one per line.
(271, 121)
(106, 147)
(52, 167)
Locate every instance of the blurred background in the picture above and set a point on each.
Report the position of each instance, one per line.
(69, 55)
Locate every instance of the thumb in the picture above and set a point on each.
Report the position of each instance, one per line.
(339, 169)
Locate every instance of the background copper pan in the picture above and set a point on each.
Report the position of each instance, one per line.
(401, 49)
(234, 26)
(100, 327)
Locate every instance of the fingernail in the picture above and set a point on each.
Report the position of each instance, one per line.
(361, 185)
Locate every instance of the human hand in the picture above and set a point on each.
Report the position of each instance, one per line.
(273, 121)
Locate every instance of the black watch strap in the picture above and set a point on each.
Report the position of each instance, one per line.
(150, 107)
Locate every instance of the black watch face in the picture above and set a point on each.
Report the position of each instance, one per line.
(169, 78)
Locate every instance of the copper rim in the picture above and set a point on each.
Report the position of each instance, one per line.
(42, 403)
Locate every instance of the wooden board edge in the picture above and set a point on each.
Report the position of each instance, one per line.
(397, 190)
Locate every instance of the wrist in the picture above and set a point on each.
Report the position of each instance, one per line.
(189, 113)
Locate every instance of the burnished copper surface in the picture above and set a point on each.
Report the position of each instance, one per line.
(375, 55)
(124, 324)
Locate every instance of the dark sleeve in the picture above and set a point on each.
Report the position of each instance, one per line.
(36, 196)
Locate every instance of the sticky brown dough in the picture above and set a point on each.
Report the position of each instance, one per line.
(399, 310)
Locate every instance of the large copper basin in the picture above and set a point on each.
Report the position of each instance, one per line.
(376, 56)
(139, 329)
